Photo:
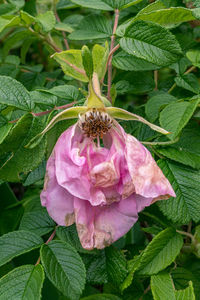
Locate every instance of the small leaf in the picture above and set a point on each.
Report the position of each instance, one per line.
(69, 277)
(160, 252)
(70, 113)
(92, 27)
(194, 57)
(24, 282)
(188, 82)
(27, 18)
(67, 92)
(71, 63)
(36, 219)
(185, 182)
(162, 287)
(46, 21)
(16, 243)
(8, 22)
(151, 42)
(122, 114)
(13, 93)
(187, 294)
(87, 61)
(175, 116)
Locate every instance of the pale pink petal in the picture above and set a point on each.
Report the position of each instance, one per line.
(100, 226)
(59, 202)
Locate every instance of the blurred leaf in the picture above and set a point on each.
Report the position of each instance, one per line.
(16, 243)
(92, 27)
(24, 282)
(162, 287)
(188, 82)
(14, 39)
(160, 252)
(186, 294)
(46, 21)
(175, 116)
(101, 297)
(151, 42)
(13, 93)
(194, 57)
(27, 18)
(36, 219)
(69, 277)
(19, 159)
(185, 182)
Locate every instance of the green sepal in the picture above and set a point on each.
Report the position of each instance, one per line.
(70, 113)
(122, 114)
(87, 61)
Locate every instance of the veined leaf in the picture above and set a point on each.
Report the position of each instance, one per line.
(24, 282)
(162, 287)
(188, 82)
(187, 294)
(102, 297)
(46, 21)
(16, 243)
(185, 182)
(100, 57)
(69, 277)
(151, 42)
(106, 4)
(194, 57)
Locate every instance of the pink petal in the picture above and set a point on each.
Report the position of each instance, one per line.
(59, 202)
(100, 226)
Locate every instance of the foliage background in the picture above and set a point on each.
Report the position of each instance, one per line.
(156, 75)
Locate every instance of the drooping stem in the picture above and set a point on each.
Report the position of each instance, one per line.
(187, 72)
(111, 49)
(49, 240)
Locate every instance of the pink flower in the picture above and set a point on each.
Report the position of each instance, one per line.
(101, 188)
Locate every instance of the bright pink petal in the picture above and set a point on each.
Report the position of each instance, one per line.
(59, 202)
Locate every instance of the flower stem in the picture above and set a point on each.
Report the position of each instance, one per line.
(111, 49)
(49, 240)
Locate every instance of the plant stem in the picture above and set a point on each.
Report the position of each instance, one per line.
(186, 72)
(156, 79)
(161, 143)
(111, 49)
(145, 292)
(186, 234)
(63, 33)
(42, 113)
(49, 240)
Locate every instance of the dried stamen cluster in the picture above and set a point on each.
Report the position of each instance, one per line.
(95, 123)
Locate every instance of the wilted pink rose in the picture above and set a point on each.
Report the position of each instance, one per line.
(101, 188)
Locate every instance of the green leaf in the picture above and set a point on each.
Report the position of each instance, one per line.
(175, 116)
(160, 252)
(186, 150)
(87, 61)
(71, 63)
(96, 268)
(122, 114)
(36, 219)
(27, 18)
(151, 42)
(100, 57)
(7, 22)
(162, 287)
(14, 39)
(69, 277)
(19, 159)
(194, 57)
(96, 4)
(36, 174)
(167, 17)
(24, 282)
(187, 294)
(188, 82)
(67, 92)
(129, 62)
(16, 243)
(46, 21)
(13, 93)
(101, 297)
(185, 182)
(156, 103)
(92, 27)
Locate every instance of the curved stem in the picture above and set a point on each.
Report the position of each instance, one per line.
(161, 143)
(186, 234)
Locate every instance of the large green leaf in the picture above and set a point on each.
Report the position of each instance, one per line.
(129, 62)
(187, 294)
(151, 42)
(162, 287)
(15, 157)
(13, 93)
(16, 243)
(106, 4)
(175, 116)
(70, 59)
(4, 22)
(36, 218)
(185, 182)
(64, 268)
(186, 150)
(67, 92)
(92, 27)
(23, 283)
(160, 252)
(188, 82)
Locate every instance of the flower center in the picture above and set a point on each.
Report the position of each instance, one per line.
(95, 123)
